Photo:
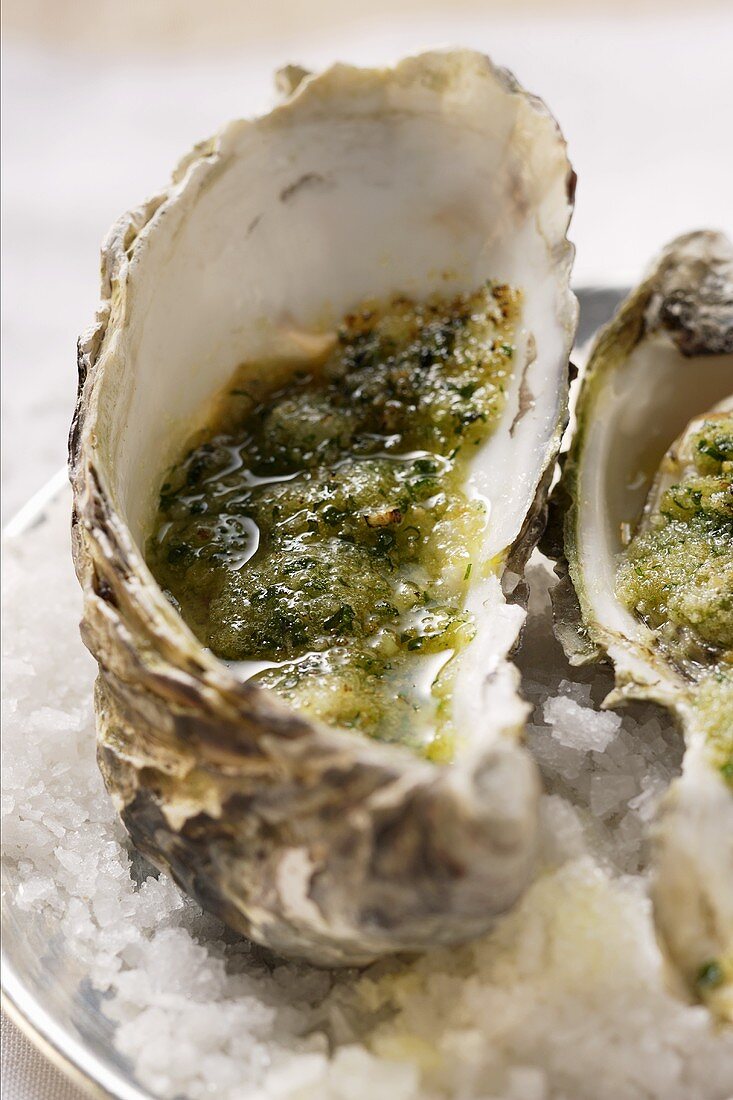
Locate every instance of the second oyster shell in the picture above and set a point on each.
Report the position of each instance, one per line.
(665, 358)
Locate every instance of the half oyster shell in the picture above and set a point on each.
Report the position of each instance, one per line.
(665, 358)
(435, 175)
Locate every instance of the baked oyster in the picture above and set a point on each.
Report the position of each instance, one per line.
(646, 507)
(426, 184)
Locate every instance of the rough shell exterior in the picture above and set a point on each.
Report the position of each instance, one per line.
(314, 842)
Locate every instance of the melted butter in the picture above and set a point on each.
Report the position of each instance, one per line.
(318, 536)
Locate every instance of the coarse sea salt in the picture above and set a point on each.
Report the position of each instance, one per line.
(580, 727)
(564, 999)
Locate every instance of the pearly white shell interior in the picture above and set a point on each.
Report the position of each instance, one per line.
(646, 402)
(435, 176)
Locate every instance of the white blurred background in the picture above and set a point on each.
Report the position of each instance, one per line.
(101, 98)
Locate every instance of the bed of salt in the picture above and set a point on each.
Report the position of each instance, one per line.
(564, 1000)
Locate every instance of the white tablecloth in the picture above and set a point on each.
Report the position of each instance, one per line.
(644, 102)
(26, 1074)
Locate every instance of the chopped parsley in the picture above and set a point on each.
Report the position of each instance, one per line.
(322, 525)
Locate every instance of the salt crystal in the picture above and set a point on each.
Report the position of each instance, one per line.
(645, 803)
(610, 792)
(579, 727)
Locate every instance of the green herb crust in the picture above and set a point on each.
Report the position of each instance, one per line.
(677, 575)
(321, 530)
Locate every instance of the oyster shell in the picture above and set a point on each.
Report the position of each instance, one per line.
(667, 356)
(435, 175)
